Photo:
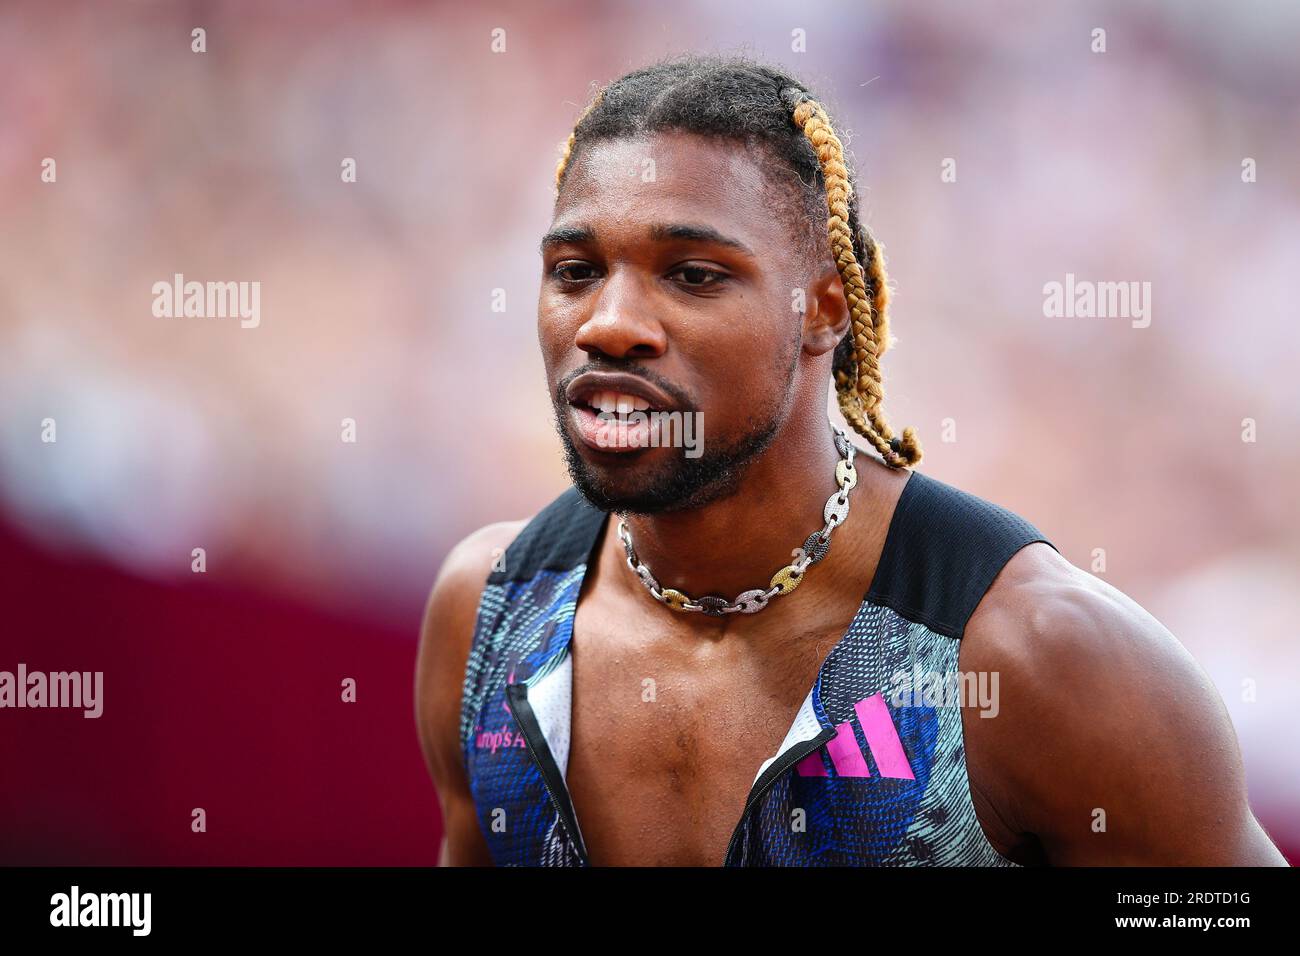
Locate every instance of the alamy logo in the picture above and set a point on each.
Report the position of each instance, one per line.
(1091, 300)
(974, 689)
(84, 689)
(214, 300)
(642, 428)
(75, 908)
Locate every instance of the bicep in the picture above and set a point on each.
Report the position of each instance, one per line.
(1114, 746)
(1151, 775)
(462, 837)
(438, 723)
(445, 638)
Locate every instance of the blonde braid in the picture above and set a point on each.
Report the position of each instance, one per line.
(566, 150)
(860, 393)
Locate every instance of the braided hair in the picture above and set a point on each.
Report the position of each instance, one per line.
(738, 99)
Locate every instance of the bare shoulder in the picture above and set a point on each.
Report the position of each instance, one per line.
(464, 573)
(1110, 744)
(1042, 611)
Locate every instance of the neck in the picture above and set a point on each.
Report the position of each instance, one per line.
(738, 542)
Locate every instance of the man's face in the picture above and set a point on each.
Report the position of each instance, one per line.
(667, 288)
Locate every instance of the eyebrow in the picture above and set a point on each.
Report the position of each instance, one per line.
(659, 232)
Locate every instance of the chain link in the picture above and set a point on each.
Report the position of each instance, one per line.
(785, 580)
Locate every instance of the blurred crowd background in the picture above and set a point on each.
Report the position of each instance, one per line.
(222, 689)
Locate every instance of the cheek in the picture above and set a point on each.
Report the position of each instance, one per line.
(554, 332)
(736, 365)
(752, 335)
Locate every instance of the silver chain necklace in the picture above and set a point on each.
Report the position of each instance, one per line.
(785, 580)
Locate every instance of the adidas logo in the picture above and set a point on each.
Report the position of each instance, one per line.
(847, 756)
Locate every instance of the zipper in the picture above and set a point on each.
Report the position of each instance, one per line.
(772, 774)
(557, 792)
(552, 781)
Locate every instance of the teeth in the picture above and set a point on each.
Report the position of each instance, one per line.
(617, 402)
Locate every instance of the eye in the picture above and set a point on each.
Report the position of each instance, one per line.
(565, 272)
(699, 277)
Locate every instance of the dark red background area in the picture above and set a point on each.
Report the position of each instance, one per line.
(214, 697)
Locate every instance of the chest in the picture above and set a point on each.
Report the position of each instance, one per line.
(668, 731)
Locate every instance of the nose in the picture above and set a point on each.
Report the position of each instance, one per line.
(621, 324)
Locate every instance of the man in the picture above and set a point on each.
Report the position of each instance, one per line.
(623, 679)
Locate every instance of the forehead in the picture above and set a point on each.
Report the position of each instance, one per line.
(632, 183)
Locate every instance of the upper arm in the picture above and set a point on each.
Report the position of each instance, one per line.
(1111, 745)
(445, 636)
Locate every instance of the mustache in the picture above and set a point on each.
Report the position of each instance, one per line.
(684, 400)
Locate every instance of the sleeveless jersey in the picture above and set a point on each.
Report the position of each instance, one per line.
(873, 769)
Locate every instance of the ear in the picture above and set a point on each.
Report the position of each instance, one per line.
(826, 316)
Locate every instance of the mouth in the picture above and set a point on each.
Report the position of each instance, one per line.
(616, 413)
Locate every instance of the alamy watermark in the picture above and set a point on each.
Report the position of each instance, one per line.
(76, 908)
(1081, 298)
(653, 429)
(213, 300)
(71, 689)
(923, 688)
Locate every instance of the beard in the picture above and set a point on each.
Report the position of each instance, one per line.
(675, 483)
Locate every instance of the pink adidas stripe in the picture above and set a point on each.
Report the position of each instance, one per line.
(882, 740)
(845, 753)
(882, 737)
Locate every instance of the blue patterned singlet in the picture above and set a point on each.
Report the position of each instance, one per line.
(873, 769)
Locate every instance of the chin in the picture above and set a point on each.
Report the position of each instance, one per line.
(646, 490)
(657, 480)
(612, 492)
